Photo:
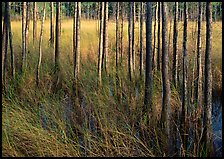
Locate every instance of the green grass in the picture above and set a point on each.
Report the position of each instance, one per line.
(22, 133)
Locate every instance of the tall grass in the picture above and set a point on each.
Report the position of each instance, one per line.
(104, 125)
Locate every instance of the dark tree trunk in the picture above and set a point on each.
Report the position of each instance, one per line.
(154, 46)
(130, 64)
(23, 37)
(52, 24)
(34, 21)
(175, 45)
(185, 90)
(207, 119)
(122, 31)
(158, 54)
(166, 117)
(141, 39)
(148, 71)
(5, 44)
(133, 36)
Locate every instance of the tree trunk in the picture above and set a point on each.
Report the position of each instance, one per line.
(100, 46)
(158, 54)
(105, 38)
(207, 119)
(23, 37)
(133, 36)
(5, 44)
(141, 38)
(27, 26)
(175, 45)
(57, 46)
(154, 35)
(34, 21)
(117, 36)
(11, 46)
(130, 64)
(74, 31)
(148, 71)
(166, 117)
(52, 24)
(40, 47)
(77, 49)
(184, 99)
(122, 31)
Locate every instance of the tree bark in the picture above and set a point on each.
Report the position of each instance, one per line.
(207, 119)
(40, 47)
(100, 46)
(184, 99)
(23, 37)
(166, 117)
(11, 45)
(133, 36)
(52, 23)
(158, 54)
(175, 45)
(130, 64)
(105, 38)
(148, 71)
(141, 38)
(154, 35)
(34, 21)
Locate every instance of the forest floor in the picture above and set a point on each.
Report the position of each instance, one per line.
(37, 122)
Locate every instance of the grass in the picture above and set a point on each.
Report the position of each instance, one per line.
(113, 133)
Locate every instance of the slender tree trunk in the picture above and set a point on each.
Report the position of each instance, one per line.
(34, 21)
(133, 36)
(5, 44)
(74, 31)
(77, 49)
(100, 46)
(175, 45)
(27, 26)
(11, 46)
(122, 31)
(184, 99)
(148, 70)
(57, 45)
(105, 38)
(23, 37)
(40, 47)
(130, 64)
(158, 54)
(52, 24)
(207, 119)
(141, 38)
(117, 36)
(154, 47)
(166, 117)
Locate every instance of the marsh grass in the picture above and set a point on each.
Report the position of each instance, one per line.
(105, 124)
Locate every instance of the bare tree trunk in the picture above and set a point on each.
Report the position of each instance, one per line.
(34, 21)
(57, 46)
(154, 47)
(207, 119)
(100, 46)
(40, 47)
(11, 46)
(166, 117)
(52, 24)
(122, 32)
(141, 38)
(184, 99)
(27, 26)
(5, 44)
(175, 45)
(117, 36)
(158, 55)
(148, 71)
(130, 64)
(133, 36)
(105, 38)
(23, 37)
(77, 49)
(74, 30)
